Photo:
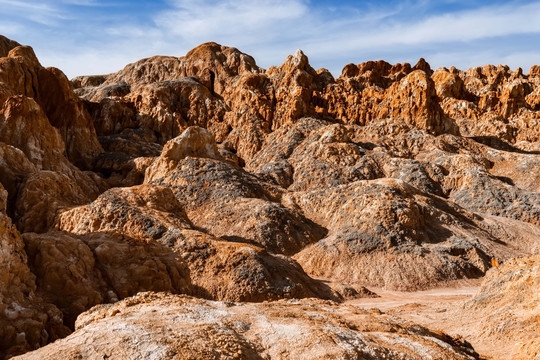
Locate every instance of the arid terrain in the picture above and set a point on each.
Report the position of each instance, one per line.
(202, 207)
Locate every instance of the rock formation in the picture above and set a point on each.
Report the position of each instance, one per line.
(178, 327)
(208, 176)
(26, 320)
(510, 291)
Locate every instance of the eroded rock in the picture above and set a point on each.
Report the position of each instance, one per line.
(151, 324)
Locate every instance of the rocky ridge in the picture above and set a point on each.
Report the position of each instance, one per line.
(209, 176)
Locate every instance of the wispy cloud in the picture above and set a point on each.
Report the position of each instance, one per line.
(233, 18)
(40, 12)
(453, 29)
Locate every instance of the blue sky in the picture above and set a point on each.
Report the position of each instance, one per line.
(100, 36)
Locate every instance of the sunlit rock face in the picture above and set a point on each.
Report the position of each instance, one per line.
(179, 327)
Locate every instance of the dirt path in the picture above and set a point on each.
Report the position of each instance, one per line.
(438, 309)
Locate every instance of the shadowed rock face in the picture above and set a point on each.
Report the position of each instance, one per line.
(6, 45)
(208, 176)
(26, 320)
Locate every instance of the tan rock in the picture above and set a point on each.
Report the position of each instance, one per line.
(413, 100)
(194, 141)
(36, 145)
(149, 324)
(14, 167)
(226, 201)
(78, 272)
(42, 194)
(533, 99)
(66, 273)
(386, 233)
(294, 82)
(448, 84)
(236, 271)
(506, 306)
(24, 125)
(170, 107)
(145, 212)
(219, 269)
(88, 81)
(224, 62)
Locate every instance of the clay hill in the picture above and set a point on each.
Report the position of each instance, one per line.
(202, 207)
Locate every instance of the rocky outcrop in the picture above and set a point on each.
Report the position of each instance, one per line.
(235, 271)
(387, 234)
(226, 268)
(6, 45)
(241, 103)
(194, 142)
(42, 122)
(78, 272)
(507, 307)
(22, 73)
(146, 212)
(228, 202)
(26, 320)
(42, 180)
(149, 324)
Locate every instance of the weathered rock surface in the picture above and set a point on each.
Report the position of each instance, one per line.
(174, 327)
(78, 272)
(228, 202)
(6, 45)
(507, 307)
(21, 73)
(44, 130)
(234, 271)
(145, 211)
(220, 269)
(388, 234)
(243, 103)
(26, 320)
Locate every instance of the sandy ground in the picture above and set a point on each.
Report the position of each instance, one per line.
(438, 309)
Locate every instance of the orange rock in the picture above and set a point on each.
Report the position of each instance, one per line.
(110, 266)
(22, 73)
(26, 320)
(414, 101)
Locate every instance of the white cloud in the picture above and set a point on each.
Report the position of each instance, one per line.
(460, 27)
(235, 18)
